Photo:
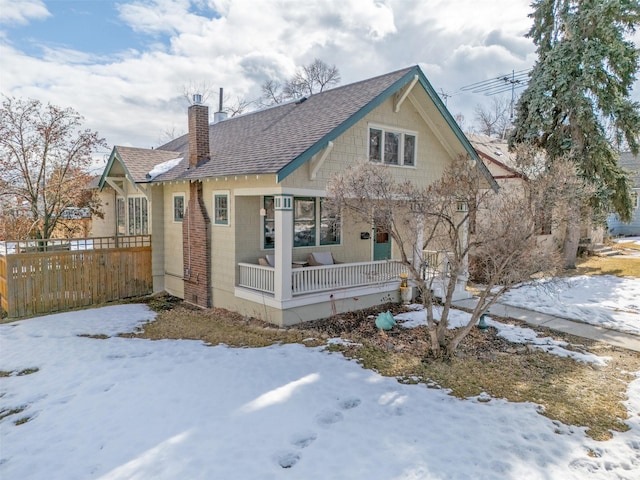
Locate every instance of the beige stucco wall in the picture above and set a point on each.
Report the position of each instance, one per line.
(156, 228)
(172, 247)
(105, 227)
(240, 240)
(352, 146)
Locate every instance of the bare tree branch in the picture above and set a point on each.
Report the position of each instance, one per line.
(504, 248)
(44, 157)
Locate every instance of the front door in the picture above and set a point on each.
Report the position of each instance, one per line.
(381, 244)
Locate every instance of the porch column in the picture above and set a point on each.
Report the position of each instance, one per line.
(283, 249)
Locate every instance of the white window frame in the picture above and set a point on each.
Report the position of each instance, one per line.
(398, 131)
(121, 216)
(216, 194)
(635, 198)
(317, 223)
(127, 215)
(173, 206)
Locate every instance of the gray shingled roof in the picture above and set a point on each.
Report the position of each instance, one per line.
(140, 161)
(495, 149)
(280, 139)
(265, 141)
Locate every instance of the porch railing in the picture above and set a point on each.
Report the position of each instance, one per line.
(257, 277)
(327, 277)
(331, 277)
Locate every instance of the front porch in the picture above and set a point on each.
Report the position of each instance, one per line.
(275, 283)
(314, 285)
(310, 280)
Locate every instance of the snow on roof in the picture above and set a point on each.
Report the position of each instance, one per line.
(163, 168)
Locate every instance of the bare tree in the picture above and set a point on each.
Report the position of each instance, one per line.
(44, 159)
(494, 120)
(205, 89)
(504, 248)
(312, 78)
(460, 120)
(308, 79)
(169, 134)
(272, 92)
(208, 94)
(237, 107)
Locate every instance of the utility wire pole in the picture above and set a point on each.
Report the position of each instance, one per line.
(501, 84)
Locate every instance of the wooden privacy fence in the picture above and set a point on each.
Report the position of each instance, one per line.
(44, 276)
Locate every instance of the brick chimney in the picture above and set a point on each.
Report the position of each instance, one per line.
(198, 132)
(196, 225)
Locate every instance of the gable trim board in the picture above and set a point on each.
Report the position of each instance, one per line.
(408, 77)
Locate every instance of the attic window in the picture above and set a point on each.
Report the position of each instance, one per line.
(392, 147)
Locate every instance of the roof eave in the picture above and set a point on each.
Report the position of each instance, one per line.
(115, 155)
(435, 98)
(344, 126)
(360, 114)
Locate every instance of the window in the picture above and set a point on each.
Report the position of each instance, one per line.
(269, 223)
(375, 145)
(409, 150)
(121, 218)
(329, 226)
(221, 209)
(178, 208)
(392, 147)
(306, 223)
(634, 199)
(138, 216)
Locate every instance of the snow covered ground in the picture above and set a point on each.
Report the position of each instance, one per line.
(604, 300)
(120, 408)
(635, 240)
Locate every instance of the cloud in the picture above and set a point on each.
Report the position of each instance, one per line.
(132, 96)
(160, 16)
(20, 12)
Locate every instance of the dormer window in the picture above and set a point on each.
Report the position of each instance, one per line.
(392, 147)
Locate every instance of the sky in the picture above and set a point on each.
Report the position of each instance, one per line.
(87, 404)
(124, 65)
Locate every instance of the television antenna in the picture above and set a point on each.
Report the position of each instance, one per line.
(501, 84)
(445, 96)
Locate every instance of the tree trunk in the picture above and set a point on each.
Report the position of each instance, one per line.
(571, 239)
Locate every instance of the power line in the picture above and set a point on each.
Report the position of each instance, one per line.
(501, 84)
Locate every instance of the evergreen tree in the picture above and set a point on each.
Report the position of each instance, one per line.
(577, 104)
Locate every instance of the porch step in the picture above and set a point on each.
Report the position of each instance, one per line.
(603, 251)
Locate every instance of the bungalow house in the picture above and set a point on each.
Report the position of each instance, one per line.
(235, 208)
(631, 163)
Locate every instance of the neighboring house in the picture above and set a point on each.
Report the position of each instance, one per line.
(236, 208)
(631, 163)
(502, 164)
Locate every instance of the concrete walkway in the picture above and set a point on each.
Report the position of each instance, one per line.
(580, 329)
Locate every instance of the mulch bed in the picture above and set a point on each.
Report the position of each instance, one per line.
(360, 325)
